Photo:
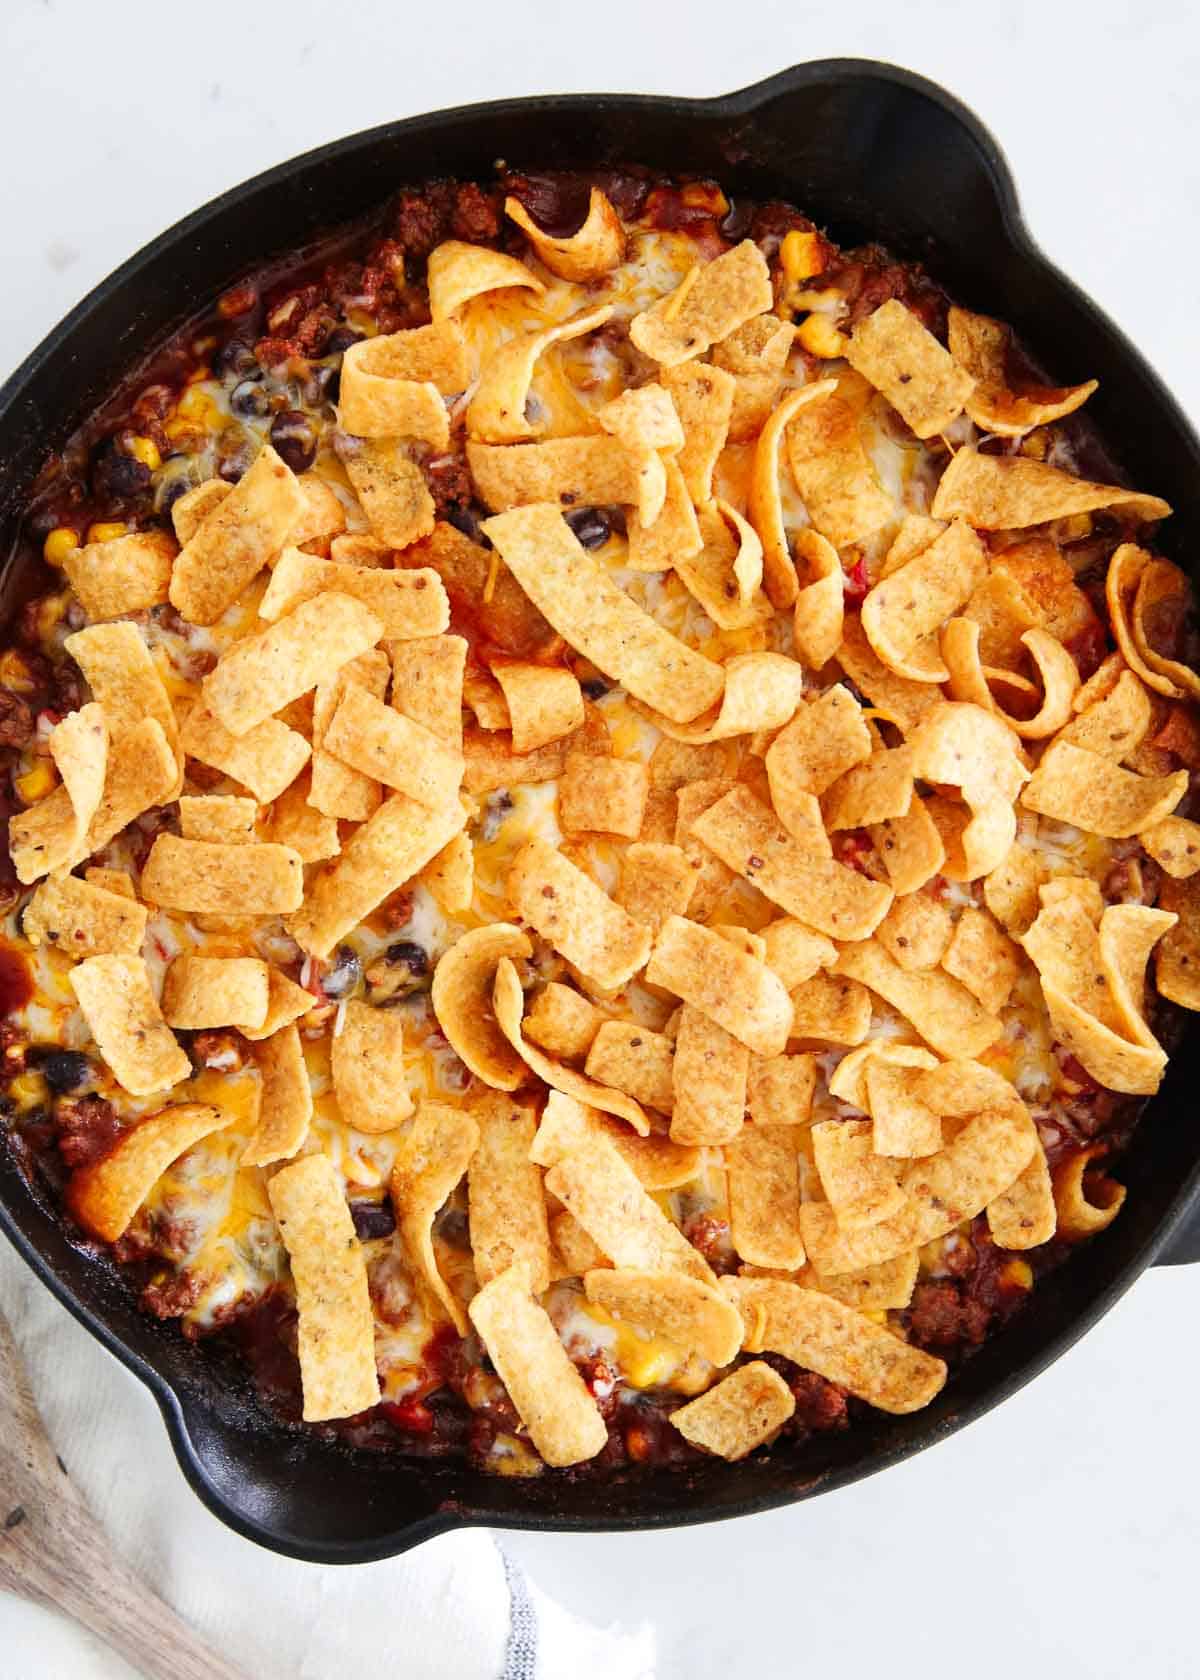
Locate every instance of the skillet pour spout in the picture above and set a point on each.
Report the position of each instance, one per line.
(871, 152)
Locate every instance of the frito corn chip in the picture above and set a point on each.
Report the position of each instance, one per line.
(916, 931)
(875, 791)
(870, 1289)
(657, 881)
(1079, 1215)
(507, 1203)
(725, 292)
(375, 404)
(1080, 787)
(861, 1188)
(124, 1019)
(756, 354)
(596, 471)
(406, 603)
(820, 600)
(780, 1089)
(980, 346)
(123, 678)
(711, 879)
(830, 1009)
(462, 1002)
(823, 894)
(490, 763)
(945, 1014)
(110, 880)
(903, 1124)
(458, 272)
(794, 951)
(633, 1059)
(899, 699)
(189, 511)
(823, 740)
(603, 1193)
(848, 1081)
(545, 703)
(963, 746)
(1003, 609)
(123, 575)
(388, 850)
(431, 1158)
(1024, 1216)
(496, 412)
(833, 472)
(563, 1420)
(1160, 606)
(1010, 492)
(225, 819)
(241, 879)
(236, 539)
(762, 691)
(562, 1021)
(739, 1413)
(904, 361)
(703, 398)
(1011, 890)
(762, 1166)
(823, 1335)
(911, 848)
(902, 615)
(710, 575)
(658, 1162)
(381, 743)
(602, 795)
(337, 1327)
(105, 1195)
(577, 917)
(970, 679)
(983, 958)
(200, 992)
(266, 759)
(427, 684)
(55, 834)
(943, 1189)
(323, 517)
(695, 1316)
(734, 990)
(391, 488)
(286, 1106)
(594, 249)
(765, 505)
(293, 821)
(82, 919)
(574, 591)
(337, 789)
(674, 537)
(1122, 585)
(1174, 844)
(263, 673)
(477, 581)
(450, 876)
(1114, 724)
(367, 1063)
(286, 1002)
(437, 353)
(709, 1076)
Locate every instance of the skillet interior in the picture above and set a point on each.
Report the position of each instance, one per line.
(870, 152)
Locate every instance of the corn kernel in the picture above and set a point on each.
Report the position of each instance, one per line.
(1075, 528)
(104, 530)
(199, 374)
(1017, 1274)
(820, 337)
(800, 256)
(35, 784)
(145, 450)
(1037, 445)
(61, 542)
(27, 1090)
(195, 404)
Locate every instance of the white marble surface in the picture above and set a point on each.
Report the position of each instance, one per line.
(1059, 1535)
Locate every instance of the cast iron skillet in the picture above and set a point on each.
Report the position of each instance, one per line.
(869, 151)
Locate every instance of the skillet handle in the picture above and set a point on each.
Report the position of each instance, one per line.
(1182, 1247)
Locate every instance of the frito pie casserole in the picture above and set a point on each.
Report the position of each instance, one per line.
(597, 802)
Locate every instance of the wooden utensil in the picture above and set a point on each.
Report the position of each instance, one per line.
(54, 1552)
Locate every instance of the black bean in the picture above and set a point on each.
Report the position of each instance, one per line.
(117, 476)
(591, 525)
(340, 340)
(251, 400)
(322, 385)
(407, 955)
(295, 439)
(236, 357)
(64, 1070)
(595, 688)
(372, 1219)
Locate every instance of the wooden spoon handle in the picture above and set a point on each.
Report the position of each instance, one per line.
(54, 1552)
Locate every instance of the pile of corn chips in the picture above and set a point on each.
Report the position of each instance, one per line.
(756, 892)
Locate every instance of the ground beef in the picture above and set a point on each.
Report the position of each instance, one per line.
(219, 1048)
(86, 1127)
(477, 214)
(172, 1296)
(819, 1404)
(449, 481)
(943, 1315)
(16, 720)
